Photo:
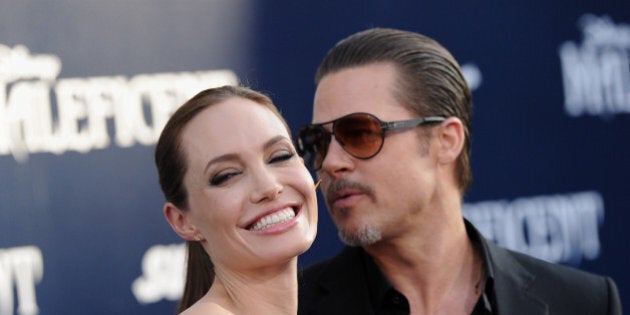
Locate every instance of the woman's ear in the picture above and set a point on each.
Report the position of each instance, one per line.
(179, 222)
(451, 136)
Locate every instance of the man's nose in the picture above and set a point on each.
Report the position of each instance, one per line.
(337, 161)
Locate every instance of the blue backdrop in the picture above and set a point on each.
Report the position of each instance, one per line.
(87, 86)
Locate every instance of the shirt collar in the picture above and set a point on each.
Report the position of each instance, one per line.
(382, 292)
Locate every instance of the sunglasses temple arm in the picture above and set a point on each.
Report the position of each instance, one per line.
(395, 125)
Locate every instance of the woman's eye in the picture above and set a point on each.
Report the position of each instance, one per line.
(281, 157)
(222, 178)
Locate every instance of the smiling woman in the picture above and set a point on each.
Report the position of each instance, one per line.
(241, 197)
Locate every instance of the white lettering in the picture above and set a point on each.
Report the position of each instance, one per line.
(25, 131)
(24, 267)
(596, 75)
(82, 114)
(557, 228)
(18, 63)
(163, 274)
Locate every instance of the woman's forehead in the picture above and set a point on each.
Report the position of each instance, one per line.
(231, 126)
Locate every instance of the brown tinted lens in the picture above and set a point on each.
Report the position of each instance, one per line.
(360, 135)
(321, 143)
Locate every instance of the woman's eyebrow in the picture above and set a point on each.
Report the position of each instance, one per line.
(274, 140)
(221, 158)
(234, 156)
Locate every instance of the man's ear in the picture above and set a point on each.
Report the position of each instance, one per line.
(179, 222)
(451, 136)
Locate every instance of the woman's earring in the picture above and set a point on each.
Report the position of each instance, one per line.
(197, 237)
(317, 184)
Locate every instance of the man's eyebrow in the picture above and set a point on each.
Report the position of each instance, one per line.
(234, 156)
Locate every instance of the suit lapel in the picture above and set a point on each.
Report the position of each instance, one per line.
(512, 283)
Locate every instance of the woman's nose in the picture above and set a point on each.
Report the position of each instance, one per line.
(266, 186)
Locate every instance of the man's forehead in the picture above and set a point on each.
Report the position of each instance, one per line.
(368, 88)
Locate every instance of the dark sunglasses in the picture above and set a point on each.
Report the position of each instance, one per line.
(360, 134)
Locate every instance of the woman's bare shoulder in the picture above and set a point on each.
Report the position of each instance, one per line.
(206, 308)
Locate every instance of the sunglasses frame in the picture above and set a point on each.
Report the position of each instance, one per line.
(385, 126)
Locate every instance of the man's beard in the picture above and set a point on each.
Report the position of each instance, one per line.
(363, 236)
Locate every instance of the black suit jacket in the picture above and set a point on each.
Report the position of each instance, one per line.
(523, 285)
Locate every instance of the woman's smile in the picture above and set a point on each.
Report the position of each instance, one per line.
(275, 221)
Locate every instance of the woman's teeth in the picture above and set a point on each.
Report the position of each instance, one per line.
(274, 218)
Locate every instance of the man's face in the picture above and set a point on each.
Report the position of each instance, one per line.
(382, 197)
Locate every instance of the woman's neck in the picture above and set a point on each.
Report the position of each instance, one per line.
(269, 290)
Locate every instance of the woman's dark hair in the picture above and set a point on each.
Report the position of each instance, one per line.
(429, 83)
(170, 160)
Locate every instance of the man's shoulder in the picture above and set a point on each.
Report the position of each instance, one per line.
(550, 271)
(557, 286)
(524, 268)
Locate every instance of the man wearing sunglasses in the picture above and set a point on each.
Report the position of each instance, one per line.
(390, 142)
